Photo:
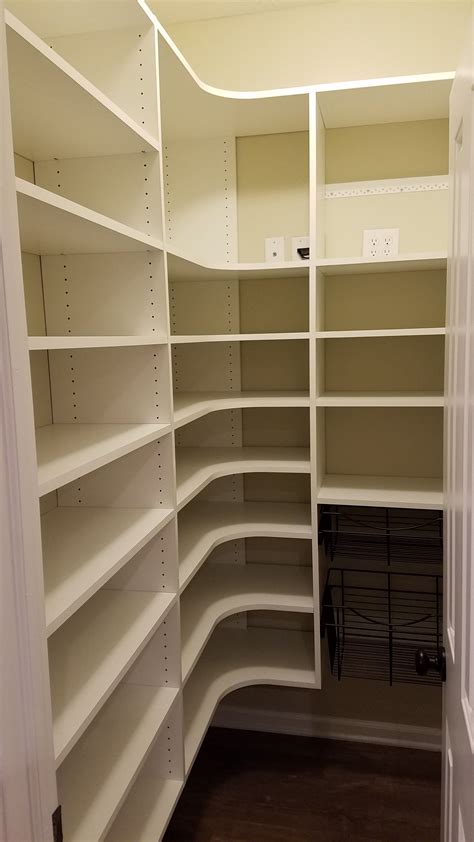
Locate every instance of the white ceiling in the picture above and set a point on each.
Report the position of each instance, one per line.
(178, 11)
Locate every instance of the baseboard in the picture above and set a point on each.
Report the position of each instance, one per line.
(330, 727)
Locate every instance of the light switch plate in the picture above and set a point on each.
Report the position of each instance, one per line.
(380, 243)
(298, 243)
(274, 249)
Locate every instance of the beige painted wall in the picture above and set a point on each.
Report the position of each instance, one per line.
(326, 42)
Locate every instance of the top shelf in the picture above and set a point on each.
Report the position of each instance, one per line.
(396, 100)
(57, 112)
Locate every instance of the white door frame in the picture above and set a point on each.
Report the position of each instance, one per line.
(27, 780)
(458, 697)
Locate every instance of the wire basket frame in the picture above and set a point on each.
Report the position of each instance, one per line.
(384, 535)
(375, 621)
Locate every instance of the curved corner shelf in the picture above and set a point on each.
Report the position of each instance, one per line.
(188, 406)
(413, 399)
(204, 525)
(401, 263)
(51, 224)
(68, 451)
(55, 343)
(90, 654)
(97, 775)
(196, 467)
(84, 547)
(236, 658)
(40, 80)
(221, 590)
(182, 267)
(391, 492)
(236, 337)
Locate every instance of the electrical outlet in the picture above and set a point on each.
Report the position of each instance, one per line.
(381, 243)
(298, 243)
(274, 249)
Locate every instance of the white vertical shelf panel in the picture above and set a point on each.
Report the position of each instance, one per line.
(91, 654)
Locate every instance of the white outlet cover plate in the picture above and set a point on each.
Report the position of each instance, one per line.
(274, 249)
(381, 243)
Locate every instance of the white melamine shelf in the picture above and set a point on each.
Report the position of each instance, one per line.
(57, 112)
(196, 467)
(83, 547)
(401, 263)
(96, 777)
(51, 224)
(182, 268)
(394, 100)
(91, 653)
(220, 590)
(235, 658)
(54, 343)
(393, 492)
(203, 525)
(236, 337)
(188, 406)
(68, 451)
(380, 399)
(147, 810)
(367, 334)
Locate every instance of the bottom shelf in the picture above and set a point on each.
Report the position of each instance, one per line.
(235, 658)
(398, 492)
(152, 799)
(96, 776)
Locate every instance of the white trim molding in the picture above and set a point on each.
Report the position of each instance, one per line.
(328, 727)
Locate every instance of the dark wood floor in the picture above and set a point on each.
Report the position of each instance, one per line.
(253, 787)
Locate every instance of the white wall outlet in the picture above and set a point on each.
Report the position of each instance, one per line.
(274, 249)
(298, 243)
(381, 243)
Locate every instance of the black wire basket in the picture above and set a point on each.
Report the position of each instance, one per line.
(382, 535)
(374, 623)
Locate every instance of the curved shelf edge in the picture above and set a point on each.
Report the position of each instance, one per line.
(237, 658)
(247, 520)
(221, 591)
(194, 405)
(199, 466)
(290, 91)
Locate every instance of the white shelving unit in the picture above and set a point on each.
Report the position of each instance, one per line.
(193, 404)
